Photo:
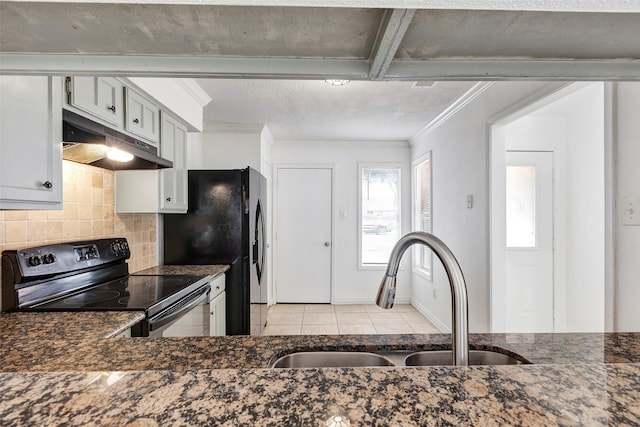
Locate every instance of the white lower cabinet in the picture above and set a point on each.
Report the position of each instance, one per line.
(124, 334)
(217, 307)
(30, 142)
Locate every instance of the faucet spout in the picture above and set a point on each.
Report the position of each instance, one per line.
(459, 303)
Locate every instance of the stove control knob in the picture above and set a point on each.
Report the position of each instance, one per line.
(125, 246)
(115, 247)
(49, 258)
(34, 261)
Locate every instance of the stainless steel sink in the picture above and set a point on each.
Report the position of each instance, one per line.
(331, 359)
(348, 359)
(444, 358)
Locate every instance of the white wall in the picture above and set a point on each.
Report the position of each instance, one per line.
(351, 284)
(459, 155)
(627, 127)
(227, 148)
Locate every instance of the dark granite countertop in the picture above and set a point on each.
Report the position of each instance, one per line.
(224, 381)
(34, 327)
(237, 352)
(535, 395)
(62, 376)
(204, 270)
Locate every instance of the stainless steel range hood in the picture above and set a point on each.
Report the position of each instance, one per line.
(88, 142)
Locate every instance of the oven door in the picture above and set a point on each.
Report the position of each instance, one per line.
(189, 317)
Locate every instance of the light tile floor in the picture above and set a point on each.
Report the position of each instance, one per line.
(326, 319)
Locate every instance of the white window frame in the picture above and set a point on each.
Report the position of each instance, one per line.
(418, 268)
(361, 166)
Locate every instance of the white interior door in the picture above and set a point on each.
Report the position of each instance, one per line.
(529, 242)
(303, 235)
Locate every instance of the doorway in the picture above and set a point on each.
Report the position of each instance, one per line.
(529, 241)
(570, 125)
(304, 230)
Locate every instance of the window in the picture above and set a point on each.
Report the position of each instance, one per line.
(380, 226)
(521, 206)
(422, 215)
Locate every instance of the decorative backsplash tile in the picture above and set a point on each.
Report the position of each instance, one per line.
(89, 213)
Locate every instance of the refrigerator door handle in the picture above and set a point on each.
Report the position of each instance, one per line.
(259, 243)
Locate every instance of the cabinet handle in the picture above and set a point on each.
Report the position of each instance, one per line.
(136, 121)
(47, 184)
(112, 108)
(168, 199)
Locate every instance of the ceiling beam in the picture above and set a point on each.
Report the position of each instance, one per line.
(184, 66)
(515, 69)
(391, 31)
(318, 69)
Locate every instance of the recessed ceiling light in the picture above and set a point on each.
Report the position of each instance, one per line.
(337, 82)
(424, 84)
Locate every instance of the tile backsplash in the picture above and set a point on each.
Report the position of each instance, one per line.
(89, 213)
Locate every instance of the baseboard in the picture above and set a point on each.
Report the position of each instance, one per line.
(366, 300)
(432, 318)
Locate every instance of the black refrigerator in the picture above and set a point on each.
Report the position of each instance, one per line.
(226, 224)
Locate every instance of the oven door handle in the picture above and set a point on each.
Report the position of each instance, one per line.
(168, 316)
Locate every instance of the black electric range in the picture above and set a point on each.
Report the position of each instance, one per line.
(93, 276)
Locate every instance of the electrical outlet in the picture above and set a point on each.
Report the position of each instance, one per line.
(631, 211)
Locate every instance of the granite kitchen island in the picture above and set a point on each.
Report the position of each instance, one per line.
(575, 379)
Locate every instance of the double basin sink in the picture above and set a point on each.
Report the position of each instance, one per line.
(347, 359)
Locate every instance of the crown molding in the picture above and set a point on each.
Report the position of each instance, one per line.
(343, 144)
(459, 104)
(195, 90)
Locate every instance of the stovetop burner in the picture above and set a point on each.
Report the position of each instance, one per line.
(90, 298)
(132, 292)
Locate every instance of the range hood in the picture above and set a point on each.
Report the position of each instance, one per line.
(88, 142)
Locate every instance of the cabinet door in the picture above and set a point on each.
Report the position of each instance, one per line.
(218, 327)
(217, 307)
(30, 149)
(142, 117)
(101, 96)
(173, 182)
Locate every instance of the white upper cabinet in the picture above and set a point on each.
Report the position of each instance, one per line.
(101, 96)
(142, 116)
(158, 191)
(30, 142)
(173, 182)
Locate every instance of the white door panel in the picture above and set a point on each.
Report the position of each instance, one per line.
(303, 235)
(529, 242)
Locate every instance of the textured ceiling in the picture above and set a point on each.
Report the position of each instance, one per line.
(315, 110)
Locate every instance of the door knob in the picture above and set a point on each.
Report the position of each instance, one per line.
(327, 244)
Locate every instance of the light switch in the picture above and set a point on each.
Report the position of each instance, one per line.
(631, 211)
(343, 214)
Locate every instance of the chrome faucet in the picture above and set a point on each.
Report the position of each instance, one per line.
(459, 303)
